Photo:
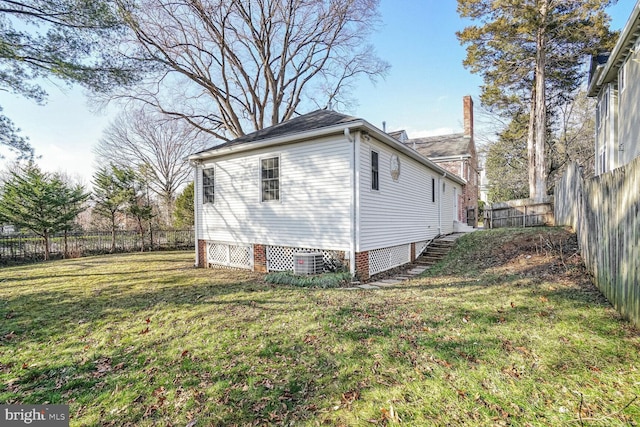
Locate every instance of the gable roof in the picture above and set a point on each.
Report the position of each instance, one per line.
(608, 72)
(433, 147)
(316, 124)
(315, 120)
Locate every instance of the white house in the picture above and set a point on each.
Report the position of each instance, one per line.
(615, 81)
(322, 182)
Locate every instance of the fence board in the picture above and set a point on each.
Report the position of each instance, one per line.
(520, 213)
(603, 211)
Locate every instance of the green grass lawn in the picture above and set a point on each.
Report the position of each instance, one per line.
(506, 331)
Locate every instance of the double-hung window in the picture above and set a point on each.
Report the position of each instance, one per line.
(433, 190)
(208, 187)
(375, 176)
(270, 178)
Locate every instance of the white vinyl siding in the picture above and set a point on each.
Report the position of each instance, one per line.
(315, 197)
(402, 211)
(449, 211)
(628, 136)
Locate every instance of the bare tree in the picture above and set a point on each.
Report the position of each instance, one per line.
(156, 148)
(230, 67)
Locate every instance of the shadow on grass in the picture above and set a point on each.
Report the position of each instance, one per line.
(266, 354)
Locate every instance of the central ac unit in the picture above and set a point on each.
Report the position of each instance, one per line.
(307, 263)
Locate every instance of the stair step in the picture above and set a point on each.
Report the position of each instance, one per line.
(436, 258)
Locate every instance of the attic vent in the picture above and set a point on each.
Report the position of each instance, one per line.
(307, 263)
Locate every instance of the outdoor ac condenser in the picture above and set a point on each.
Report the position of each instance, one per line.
(307, 263)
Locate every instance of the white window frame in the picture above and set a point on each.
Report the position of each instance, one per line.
(261, 179)
(622, 76)
(377, 170)
(206, 184)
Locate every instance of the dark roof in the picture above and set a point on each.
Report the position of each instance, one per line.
(315, 120)
(434, 147)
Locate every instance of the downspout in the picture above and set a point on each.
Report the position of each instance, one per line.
(196, 214)
(354, 198)
(444, 175)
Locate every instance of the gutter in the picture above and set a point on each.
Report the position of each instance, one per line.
(362, 125)
(265, 143)
(354, 198)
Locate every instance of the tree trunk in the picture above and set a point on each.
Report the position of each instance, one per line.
(113, 233)
(45, 237)
(66, 246)
(531, 153)
(541, 107)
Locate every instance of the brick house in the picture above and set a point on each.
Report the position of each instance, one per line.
(457, 154)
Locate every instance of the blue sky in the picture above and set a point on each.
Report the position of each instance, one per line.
(422, 94)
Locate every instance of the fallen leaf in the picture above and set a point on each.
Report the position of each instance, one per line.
(184, 353)
(148, 320)
(144, 331)
(10, 336)
(350, 396)
(25, 366)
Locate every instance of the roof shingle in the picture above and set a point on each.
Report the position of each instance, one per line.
(315, 120)
(434, 147)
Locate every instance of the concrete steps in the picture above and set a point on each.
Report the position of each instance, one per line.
(436, 251)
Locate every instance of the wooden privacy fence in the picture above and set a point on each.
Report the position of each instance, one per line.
(520, 213)
(604, 213)
(21, 247)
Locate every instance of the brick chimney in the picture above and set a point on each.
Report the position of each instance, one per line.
(467, 105)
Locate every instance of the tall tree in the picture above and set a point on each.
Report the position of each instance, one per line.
(112, 190)
(569, 138)
(40, 202)
(155, 147)
(72, 40)
(506, 162)
(529, 53)
(184, 210)
(140, 207)
(572, 137)
(230, 67)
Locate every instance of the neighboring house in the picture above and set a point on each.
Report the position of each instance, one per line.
(615, 82)
(457, 154)
(322, 182)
